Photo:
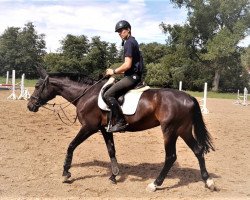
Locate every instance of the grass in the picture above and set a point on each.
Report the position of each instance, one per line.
(217, 95)
(27, 82)
(31, 83)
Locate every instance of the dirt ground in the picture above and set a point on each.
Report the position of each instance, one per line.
(33, 147)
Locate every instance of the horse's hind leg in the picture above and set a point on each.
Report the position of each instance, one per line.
(199, 153)
(109, 140)
(170, 157)
(82, 135)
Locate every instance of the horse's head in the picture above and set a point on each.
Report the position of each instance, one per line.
(43, 91)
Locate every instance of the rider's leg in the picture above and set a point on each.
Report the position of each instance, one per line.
(110, 96)
(120, 121)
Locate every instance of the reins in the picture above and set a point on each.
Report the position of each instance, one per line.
(68, 104)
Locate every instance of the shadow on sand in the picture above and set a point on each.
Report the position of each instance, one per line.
(146, 171)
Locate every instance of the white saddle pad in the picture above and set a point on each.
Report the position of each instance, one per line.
(131, 99)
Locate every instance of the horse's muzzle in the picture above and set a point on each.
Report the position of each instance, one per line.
(32, 107)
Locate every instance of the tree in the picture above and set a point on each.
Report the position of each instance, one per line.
(31, 51)
(113, 55)
(74, 50)
(52, 62)
(153, 52)
(78, 54)
(183, 57)
(245, 58)
(97, 58)
(215, 27)
(9, 49)
(158, 75)
(75, 46)
(21, 49)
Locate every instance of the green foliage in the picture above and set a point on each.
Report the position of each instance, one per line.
(78, 54)
(157, 75)
(245, 58)
(153, 52)
(234, 76)
(21, 49)
(202, 50)
(210, 39)
(75, 46)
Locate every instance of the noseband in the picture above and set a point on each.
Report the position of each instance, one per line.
(39, 102)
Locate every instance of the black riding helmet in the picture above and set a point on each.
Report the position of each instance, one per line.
(122, 25)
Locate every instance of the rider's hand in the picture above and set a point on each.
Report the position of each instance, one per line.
(109, 72)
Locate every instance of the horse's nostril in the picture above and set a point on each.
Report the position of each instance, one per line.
(32, 107)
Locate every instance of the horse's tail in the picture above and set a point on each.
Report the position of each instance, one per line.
(200, 130)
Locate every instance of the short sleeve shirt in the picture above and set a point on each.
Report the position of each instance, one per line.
(131, 49)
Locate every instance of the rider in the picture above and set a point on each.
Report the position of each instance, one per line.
(132, 70)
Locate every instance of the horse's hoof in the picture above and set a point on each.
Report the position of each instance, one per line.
(151, 187)
(210, 184)
(66, 177)
(113, 180)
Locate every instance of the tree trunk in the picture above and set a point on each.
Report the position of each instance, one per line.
(216, 81)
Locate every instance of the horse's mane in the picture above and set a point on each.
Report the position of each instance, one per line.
(76, 77)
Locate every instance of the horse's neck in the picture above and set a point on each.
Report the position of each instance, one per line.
(71, 91)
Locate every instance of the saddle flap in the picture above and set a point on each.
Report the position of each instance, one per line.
(128, 101)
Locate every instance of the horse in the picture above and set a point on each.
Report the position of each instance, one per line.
(177, 112)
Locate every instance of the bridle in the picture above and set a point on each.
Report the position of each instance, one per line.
(39, 102)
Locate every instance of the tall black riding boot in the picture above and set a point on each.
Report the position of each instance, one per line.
(118, 116)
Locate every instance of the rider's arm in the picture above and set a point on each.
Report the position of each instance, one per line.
(120, 70)
(125, 66)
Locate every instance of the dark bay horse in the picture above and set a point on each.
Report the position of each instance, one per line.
(177, 113)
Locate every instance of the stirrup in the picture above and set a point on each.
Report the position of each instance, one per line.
(118, 128)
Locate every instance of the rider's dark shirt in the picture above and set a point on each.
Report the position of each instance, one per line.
(131, 49)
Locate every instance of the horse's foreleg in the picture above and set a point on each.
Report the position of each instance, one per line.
(198, 151)
(109, 140)
(170, 158)
(82, 135)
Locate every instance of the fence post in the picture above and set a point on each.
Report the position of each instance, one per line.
(180, 85)
(204, 101)
(13, 93)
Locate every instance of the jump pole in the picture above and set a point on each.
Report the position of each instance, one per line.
(204, 101)
(13, 94)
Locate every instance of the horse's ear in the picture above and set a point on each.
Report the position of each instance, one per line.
(41, 71)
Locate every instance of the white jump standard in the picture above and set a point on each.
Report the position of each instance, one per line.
(24, 92)
(242, 101)
(204, 101)
(13, 89)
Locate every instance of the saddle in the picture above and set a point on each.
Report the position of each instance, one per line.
(121, 98)
(128, 101)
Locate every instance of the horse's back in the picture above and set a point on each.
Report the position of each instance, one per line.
(168, 97)
(169, 104)
(161, 107)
